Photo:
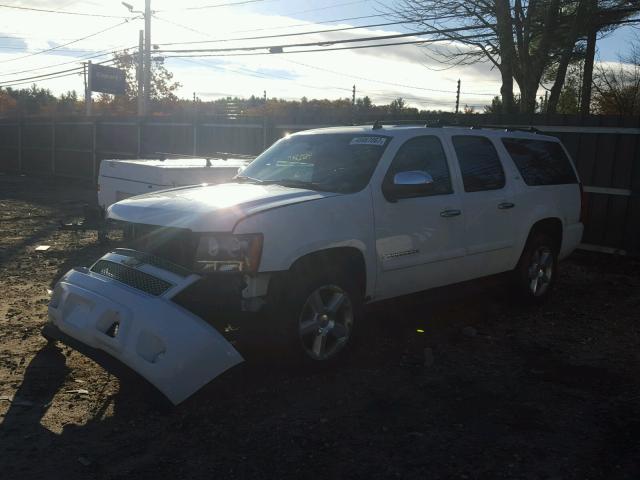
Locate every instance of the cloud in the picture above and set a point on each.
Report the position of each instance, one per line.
(382, 73)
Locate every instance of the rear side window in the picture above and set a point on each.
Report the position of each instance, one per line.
(479, 163)
(540, 162)
(423, 154)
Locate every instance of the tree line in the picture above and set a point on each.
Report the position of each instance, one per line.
(539, 46)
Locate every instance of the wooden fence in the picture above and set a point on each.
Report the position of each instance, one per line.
(606, 151)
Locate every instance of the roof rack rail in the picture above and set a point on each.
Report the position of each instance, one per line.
(378, 124)
(507, 128)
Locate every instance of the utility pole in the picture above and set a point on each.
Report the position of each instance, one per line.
(87, 91)
(264, 121)
(86, 86)
(458, 97)
(147, 55)
(353, 105)
(141, 74)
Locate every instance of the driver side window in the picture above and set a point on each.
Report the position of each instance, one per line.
(423, 154)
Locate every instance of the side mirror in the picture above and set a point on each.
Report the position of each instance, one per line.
(408, 184)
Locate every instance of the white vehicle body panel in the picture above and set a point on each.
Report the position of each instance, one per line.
(173, 349)
(330, 221)
(488, 232)
(416, 247)
(120, 179)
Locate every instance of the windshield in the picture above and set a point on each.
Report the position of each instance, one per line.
(340, 163)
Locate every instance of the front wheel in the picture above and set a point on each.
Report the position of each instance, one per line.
(536, 272)
(320, 317)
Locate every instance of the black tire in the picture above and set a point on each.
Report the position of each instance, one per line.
(535, 275)
(294, 310)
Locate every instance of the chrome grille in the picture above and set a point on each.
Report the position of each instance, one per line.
(154, 261)
(132, 277)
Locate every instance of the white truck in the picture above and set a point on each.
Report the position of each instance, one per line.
(320, 224)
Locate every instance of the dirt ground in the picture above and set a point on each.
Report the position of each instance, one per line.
(470, 385)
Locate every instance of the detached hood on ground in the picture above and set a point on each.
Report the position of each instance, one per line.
(208, 208)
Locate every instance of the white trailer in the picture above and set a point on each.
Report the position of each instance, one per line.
(120, 179)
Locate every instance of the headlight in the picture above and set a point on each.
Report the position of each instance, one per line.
(228, 253)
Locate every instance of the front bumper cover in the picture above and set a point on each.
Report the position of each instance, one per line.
(124, 308)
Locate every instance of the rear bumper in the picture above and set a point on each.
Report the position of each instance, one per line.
(126, 312)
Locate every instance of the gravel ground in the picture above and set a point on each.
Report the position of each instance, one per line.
(467, 385)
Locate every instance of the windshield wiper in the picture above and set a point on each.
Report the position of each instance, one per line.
(292, 183)
(285, 182)
(246, 179)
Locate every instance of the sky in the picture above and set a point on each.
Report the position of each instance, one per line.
(384, 73)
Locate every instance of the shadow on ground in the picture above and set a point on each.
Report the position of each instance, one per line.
(462, 384)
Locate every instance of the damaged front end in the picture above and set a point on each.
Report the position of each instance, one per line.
(131, 305)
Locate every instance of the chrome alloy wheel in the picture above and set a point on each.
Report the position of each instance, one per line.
(540, 271)
(326, 322)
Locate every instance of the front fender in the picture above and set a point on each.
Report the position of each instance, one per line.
(297, 230)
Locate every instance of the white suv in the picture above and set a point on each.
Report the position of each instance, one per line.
(321, 223)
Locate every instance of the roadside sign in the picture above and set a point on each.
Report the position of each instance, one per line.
(107, 79)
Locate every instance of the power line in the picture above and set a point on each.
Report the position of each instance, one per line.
(66, 44)
(42, 80)
(206, 34)
(245, 2)
(285, 34)
(181, 26)
(372, 93)
(230, 4)
(318, 50)
(48, 76)
(250, 73)
(62, 12)
(99, 53)
(326, 7)
(382, 82)
(328, 42)
(35, 77)
(69, 50)
(295, 34)
(306, 24)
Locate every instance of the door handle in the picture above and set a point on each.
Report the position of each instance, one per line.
(450, 213)
(506, 205)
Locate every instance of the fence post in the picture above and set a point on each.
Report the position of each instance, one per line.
(20, 146)
(53, 146)
(264, 132)
(94, 134)
(195, 136)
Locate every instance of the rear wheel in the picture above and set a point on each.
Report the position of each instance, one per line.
(536, 272)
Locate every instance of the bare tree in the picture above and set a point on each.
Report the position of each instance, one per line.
(593, 19)
(521, 38)
(515, 37)
(617, 87)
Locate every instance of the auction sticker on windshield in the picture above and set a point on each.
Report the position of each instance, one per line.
(378, 141)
